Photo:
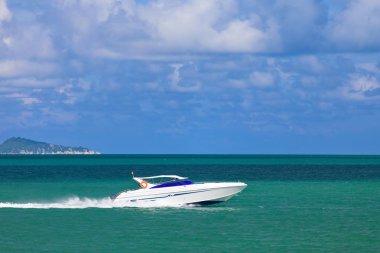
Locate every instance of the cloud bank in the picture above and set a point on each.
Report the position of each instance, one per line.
(300, 67)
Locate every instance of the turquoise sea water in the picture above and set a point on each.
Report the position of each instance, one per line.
(291, 204)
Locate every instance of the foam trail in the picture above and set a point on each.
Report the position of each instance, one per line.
(80, 203)
(74, 202)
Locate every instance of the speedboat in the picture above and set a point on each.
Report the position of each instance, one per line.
(176, 190)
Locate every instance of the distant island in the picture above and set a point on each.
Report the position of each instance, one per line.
(17, 145)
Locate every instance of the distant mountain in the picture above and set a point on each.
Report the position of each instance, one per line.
(17, 145)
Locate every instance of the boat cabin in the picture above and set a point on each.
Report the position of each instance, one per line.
(161, 181)
(173, 183)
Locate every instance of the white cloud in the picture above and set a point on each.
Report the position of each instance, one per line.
(358, 26)
(24, 98)
(238, 36)
(369, 67)
(175, 81)
(261, 79)
(312, 62)
(202, 26)
(175, 76)
(30, 100)
(363, 83)
(74, 90)
(5, 14)
(30, 82)
(26, 40)
(160, 29)
(26, 47)
(360, 88)
(113, 29)
(237, 83)
(24, 68)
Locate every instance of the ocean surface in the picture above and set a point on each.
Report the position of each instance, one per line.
(291, 204)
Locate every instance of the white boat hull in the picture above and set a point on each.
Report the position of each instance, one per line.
(198, 194)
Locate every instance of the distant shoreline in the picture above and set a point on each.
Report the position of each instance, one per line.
(57, 153)
(23, 146)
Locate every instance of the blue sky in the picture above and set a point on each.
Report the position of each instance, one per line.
(198, 76)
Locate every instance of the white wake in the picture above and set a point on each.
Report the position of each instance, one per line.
(80, 203)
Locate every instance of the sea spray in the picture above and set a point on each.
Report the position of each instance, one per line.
(81, 203)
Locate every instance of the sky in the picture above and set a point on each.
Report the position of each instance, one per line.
(193, 76)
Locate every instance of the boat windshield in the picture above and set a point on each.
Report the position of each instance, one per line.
(173, 183)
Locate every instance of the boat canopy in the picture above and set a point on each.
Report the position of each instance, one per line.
(165, 176)
(157, 181)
